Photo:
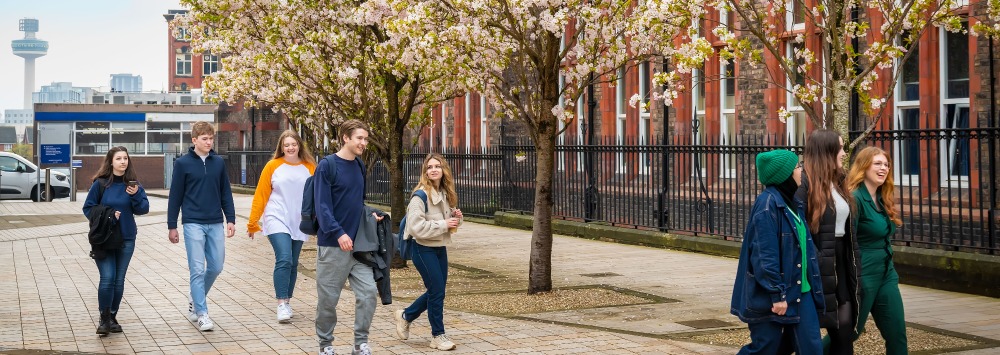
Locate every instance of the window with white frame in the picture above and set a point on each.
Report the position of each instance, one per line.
(183, 61)
(468, 126)
(209, 64)
(955, 106)
(795, 15)
(561, 139)
(620, 116)
(906, 171)
(795, 125)
(698, 120)
(727, 134)
(182, 34)
(482, 121)
(444, 132)
(644, 115)
(579, 132)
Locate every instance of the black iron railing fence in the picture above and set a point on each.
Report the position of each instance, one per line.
(706, 186)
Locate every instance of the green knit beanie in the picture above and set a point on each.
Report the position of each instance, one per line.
(776, 166)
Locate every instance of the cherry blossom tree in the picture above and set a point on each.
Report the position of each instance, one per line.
(323, 62)
(841, 47)
(514, 52)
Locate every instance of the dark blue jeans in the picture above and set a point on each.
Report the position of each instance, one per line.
(432, 264)
(804, 337)
(286, 263)
(112, 269)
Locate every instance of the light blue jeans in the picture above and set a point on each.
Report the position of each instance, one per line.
(206, 252)
(286, 263)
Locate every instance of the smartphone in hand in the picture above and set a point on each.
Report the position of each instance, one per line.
(132, 183)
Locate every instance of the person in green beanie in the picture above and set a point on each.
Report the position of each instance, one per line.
(778, 291)
(876, 219)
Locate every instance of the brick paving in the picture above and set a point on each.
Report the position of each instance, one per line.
(45, 269)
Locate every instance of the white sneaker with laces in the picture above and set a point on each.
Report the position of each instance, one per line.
(327, 351)
(441, 342)
(284, 313)
(362, 349)
(205, 323)
(290, 313)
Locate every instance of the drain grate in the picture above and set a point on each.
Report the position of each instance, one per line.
(705, 323)
(601, 274)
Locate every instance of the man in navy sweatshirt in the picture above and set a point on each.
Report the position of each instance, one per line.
(339, 206)
(200, 190)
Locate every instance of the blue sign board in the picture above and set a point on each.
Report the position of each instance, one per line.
(54, 154)
(76, 163)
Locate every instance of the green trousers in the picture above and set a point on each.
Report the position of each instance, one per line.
(880, 297)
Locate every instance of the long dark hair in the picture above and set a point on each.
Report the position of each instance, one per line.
(107, 171)
(821, 168)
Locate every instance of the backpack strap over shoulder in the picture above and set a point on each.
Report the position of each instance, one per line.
(423, 197)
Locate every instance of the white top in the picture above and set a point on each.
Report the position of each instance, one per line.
(281, 189)
(843, 211)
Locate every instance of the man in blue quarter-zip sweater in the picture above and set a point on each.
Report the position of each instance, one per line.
(200, 188)
(339, 207)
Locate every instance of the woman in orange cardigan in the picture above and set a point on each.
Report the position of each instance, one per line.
(276, 207)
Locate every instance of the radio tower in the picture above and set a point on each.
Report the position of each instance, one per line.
(29, 48)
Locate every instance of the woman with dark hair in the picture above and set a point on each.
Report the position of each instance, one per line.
(431, 222)
(115, 186)
(777, 291)
(828, 212)
(876, 219)
(278, 201)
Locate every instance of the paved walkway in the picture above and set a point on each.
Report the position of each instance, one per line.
(45, 270)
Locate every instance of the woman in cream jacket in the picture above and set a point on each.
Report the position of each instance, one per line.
(432, 231)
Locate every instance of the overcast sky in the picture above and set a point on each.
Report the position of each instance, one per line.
(88, 41)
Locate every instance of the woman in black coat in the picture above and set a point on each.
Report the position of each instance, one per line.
(828, 214)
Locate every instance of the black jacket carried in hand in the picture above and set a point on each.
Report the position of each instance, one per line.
(374, 246)
(104, 231)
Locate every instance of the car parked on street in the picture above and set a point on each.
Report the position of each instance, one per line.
(18, 178)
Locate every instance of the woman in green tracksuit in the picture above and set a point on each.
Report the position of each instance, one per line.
(870, 179)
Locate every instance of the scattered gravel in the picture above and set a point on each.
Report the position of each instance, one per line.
(512, 303)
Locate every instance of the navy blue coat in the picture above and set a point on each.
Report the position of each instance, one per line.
(769, 269)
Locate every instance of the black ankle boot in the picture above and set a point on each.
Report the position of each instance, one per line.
(113, 325)
(105, 326)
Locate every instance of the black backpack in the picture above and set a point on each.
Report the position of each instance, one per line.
(104, 234)
(309, 224)
(403, 245)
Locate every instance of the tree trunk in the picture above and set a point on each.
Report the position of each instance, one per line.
(540, 264)
(398, 191)
(841, 115)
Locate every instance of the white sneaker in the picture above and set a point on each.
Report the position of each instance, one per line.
(289, 306)
(441, 342)
(362, 349)
(284, 313)
(327, 351)
(205, 323)
(402, 326)
(191, 315)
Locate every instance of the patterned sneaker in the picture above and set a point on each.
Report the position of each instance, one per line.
(441, 342)
(402, 326)
(205, 323)
(191, 315)
(284, 313)
(327, 351)
(362, 349)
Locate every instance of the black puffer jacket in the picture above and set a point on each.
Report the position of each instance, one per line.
(826, 248)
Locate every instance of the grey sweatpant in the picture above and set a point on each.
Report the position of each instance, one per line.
(333, 267)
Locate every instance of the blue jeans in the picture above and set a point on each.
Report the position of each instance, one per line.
(766, 337)
(112, 269)
(286, 263)
(432, 264)
(206, 251)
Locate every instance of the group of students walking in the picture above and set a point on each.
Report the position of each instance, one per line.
(201, 194)
(816, 252)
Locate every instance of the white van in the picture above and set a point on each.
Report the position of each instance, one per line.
(18, 176)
